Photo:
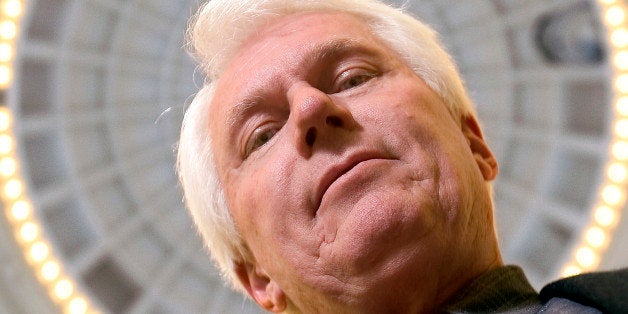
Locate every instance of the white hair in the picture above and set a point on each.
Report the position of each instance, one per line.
(217, 31)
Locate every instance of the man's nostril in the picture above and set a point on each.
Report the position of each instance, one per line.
(310, 136)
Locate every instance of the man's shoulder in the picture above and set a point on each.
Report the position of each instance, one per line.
(606, 291)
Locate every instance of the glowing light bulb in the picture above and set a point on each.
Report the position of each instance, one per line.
(617, 172)
(612, 194)
(8, 167)
(586, 257)
(619, 38)
(5, 75)
(621, 128)
(29, 232)
(615, 15)
(12, 8)
(39, 251)
(621, 60)
(78, 305)
(595, 237)
(6, 52)
(6, 144)
(5, 117)
(50, 270)
(13, 189)
(621, 83)
(63, 289)
(8, 30)
(20, 210)
(571, 270)
(622, 106)
(604, 216)
(608, 2)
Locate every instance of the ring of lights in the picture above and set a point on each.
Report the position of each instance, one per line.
(63, 289)
(37, 250)
(612, 196)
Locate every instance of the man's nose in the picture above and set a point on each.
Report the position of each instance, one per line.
(316, 117)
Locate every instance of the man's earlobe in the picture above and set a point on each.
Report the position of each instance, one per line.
(481, 152)
(261, 287)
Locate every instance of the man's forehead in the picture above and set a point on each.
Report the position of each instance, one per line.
(309, 55)
(300, 21)
(253, 71)
(297, 33)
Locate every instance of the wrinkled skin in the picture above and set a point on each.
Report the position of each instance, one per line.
(352, 185)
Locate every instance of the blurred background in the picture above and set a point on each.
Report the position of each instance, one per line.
(92, 93)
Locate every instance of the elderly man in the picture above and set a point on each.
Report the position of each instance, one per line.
(333, 163)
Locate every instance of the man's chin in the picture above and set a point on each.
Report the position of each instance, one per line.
(378, 227)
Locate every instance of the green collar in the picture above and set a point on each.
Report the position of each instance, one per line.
(501, 289)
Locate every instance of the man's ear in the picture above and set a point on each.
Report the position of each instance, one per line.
(261, 287)
(481, 152)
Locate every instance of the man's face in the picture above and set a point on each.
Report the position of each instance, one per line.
(344, 171)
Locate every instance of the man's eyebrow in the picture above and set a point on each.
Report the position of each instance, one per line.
(336, 48)
(238, 113)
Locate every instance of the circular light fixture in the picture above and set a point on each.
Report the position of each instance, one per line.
(36, 249)
(612, 197)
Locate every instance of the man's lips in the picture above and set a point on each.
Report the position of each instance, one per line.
(337, 170)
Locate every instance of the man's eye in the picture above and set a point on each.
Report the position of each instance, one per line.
(354, 79)
(259, 137)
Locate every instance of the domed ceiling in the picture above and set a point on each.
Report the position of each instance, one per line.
(98, 94)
